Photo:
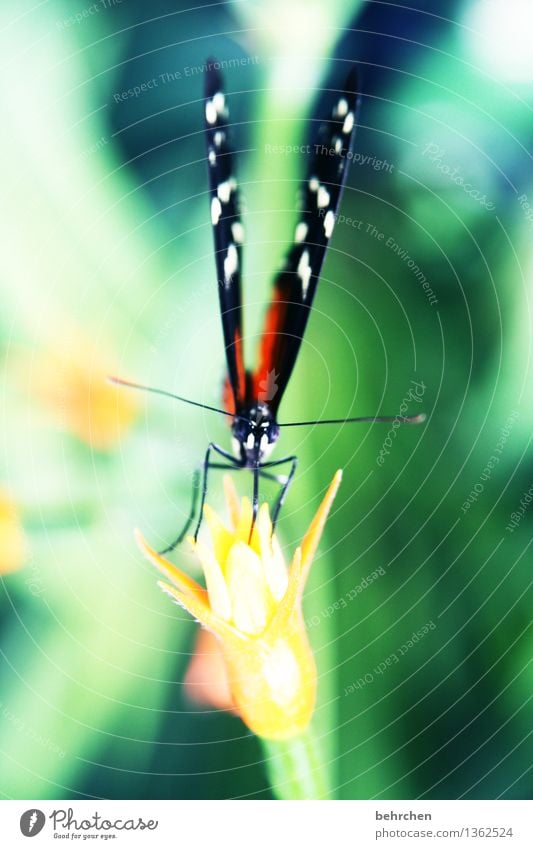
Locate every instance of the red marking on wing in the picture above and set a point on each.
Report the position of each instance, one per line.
(228, 400)
(234, 400)
(270, 343)
(241, 374)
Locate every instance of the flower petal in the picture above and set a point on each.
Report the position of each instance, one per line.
(246, 584)
(312, 537)
(270, 552)
(203, 613)
(290, 602)
(242, 529)
(217, 590)
(303, 557)
(181, 580)
(232, 500)
(278, 574)
(222, 538)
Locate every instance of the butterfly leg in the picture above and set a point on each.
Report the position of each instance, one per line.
(207, 465)
(256, 470)
(279, 479)
(232, 464)
(284, 487)
(190, 518)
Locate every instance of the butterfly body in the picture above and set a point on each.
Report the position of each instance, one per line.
(252, 397)
(255, 433)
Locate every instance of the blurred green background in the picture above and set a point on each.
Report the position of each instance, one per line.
(107, 265)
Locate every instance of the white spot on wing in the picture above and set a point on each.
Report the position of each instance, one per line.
(218, 138)
(250, 442)
(342, 107)
(329, 223)
(212, 157)
(231, 263)
(224, 191)
(347, 127)
(210, 112)
(237, 231)
(304, 271)
(313, 184)
(323, 197)
(219, 102)
(216, 211)
(338, 144)
(301, 231)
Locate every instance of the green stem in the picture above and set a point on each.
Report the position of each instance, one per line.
(295, 768)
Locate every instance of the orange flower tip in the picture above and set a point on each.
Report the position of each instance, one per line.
(142, 544)
(146, 550)
(331, 491)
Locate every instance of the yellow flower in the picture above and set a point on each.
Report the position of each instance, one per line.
(13, 545)
(253, 605)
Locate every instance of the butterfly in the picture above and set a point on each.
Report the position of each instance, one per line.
(252, 397)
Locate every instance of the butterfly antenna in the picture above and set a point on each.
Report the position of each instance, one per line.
(120, 381)
(418, 419)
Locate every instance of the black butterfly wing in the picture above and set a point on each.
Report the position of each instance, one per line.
(295, 285)
(228, 232)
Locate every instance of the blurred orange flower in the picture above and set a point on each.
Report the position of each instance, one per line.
(13, 544)
(206, 679)
(72, 381)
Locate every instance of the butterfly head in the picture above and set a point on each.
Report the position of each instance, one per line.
(254, 435)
